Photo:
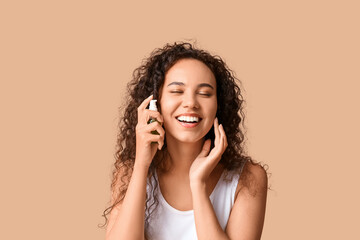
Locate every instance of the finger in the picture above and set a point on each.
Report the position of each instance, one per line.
(160, 129)
(220, 146)
(216, 131)
(154, 126)
(153, 137)
(218, 150)
(215, 154)
(145, 103)
(205, 149)
(225, 143)
(222, 141)
(161, 132)
(150, 114)
(158, 139)
(158, 116)
(160, 143)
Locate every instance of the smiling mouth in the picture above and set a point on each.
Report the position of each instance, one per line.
(188, 119)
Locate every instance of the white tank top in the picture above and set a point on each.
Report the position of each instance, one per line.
(167, 222)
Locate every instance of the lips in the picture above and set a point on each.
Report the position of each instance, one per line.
(189, 120)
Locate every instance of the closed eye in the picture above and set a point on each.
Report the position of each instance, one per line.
(205, 94)
(176, 91)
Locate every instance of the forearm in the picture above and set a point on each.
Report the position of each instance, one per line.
(129, 223)
(206, 222)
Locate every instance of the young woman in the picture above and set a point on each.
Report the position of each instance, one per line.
(184, 176)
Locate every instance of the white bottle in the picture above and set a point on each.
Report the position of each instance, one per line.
(153, 107)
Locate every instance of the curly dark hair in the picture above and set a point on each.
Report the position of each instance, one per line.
(148, 79)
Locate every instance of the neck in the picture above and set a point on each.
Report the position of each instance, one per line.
(182, 155)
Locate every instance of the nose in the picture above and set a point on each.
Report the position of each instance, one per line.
(190, 101)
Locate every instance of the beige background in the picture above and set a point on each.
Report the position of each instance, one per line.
(64, 66)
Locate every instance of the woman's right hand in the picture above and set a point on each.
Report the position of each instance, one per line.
(146, 142)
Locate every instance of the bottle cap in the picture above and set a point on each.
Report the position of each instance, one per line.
(153, 106)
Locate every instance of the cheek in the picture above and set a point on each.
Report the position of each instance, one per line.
(213, 109)
(166, 108)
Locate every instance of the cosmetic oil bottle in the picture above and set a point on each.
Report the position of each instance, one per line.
(153, 107)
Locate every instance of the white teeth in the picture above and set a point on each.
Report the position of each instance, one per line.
(188, 119)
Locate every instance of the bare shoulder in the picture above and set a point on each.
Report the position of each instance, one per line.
(248, 213)
(253, 180)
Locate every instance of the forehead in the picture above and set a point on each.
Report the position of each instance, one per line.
(190, 71)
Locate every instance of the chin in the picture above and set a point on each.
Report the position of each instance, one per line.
(188, 138)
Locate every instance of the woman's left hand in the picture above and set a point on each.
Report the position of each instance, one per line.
(205, 162)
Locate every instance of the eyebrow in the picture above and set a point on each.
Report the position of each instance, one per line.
(199, 85)
(205, 85)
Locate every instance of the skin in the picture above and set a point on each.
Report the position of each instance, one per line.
(189, 87)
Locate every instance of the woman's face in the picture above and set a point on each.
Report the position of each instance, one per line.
(188, 101)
